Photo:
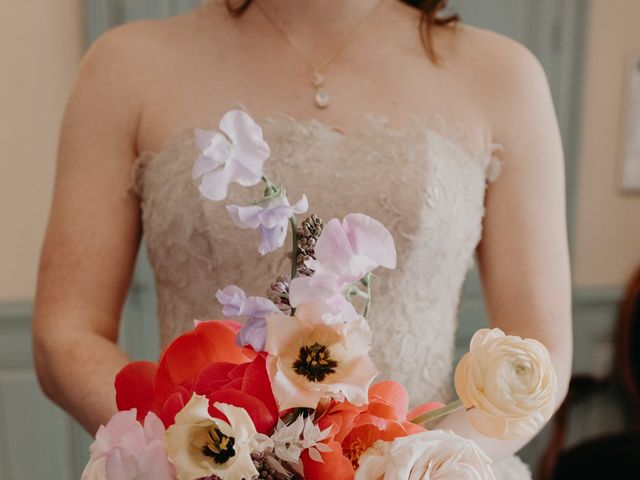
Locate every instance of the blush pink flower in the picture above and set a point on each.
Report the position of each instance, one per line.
(126, 449)
(345, 252)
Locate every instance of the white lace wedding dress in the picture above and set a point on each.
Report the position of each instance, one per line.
(424, 186)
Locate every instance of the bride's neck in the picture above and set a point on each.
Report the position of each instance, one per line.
(331, 17)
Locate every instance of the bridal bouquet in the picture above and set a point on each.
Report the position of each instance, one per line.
(288, 393)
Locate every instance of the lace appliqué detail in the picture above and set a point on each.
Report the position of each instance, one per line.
(422, 182)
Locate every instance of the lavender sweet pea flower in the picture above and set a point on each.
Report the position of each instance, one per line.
(253, 333)
(271, 217)
(345, 253)
(235, 155)
(235, 303)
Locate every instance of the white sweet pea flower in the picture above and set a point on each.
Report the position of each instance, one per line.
(345, 253)
(309, 360)
(236, 154)
(271, 216)
(508, 384)
(433, 454)
(200, 446)
(235, 303)
(291, 440)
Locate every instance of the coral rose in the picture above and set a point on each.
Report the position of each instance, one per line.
(355, 429)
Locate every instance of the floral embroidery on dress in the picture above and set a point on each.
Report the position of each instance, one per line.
(421, 182)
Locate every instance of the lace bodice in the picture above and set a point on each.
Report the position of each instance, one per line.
(425, 187)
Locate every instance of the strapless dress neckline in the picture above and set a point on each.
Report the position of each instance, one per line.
(455, 135)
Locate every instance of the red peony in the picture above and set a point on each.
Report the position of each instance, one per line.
(246, 386)
(206, 361)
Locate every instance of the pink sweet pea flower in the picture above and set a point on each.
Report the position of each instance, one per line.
(271, 216)
(345, 253)
(237, 154)
(126, 449)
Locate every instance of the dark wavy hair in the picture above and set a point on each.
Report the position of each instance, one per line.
(430, 16)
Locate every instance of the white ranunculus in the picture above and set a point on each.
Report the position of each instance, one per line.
(200, 446)
(430, 455)
(508, 384)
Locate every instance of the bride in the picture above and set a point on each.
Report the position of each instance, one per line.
(444, 133)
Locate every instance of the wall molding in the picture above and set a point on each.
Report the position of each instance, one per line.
(15, 334)
(15, 311)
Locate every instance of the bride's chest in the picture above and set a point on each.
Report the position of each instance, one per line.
(425, 188)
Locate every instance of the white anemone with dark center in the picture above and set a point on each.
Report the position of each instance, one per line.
(201, 446)
(309, 359)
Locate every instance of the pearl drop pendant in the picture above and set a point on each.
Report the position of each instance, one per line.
(321, 97)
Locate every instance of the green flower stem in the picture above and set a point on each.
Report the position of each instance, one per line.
(367, 283)
(294, 249)
(438, 412)
(361, 294)
(270, 190)
(294, 252)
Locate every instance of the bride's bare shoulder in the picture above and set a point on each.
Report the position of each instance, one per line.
(148, 45)
(499, 71)
(488, 55)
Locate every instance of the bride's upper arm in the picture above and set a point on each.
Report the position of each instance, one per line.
(523, 255)
(93, 232)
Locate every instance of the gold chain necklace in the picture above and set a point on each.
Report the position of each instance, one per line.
(321, 98)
